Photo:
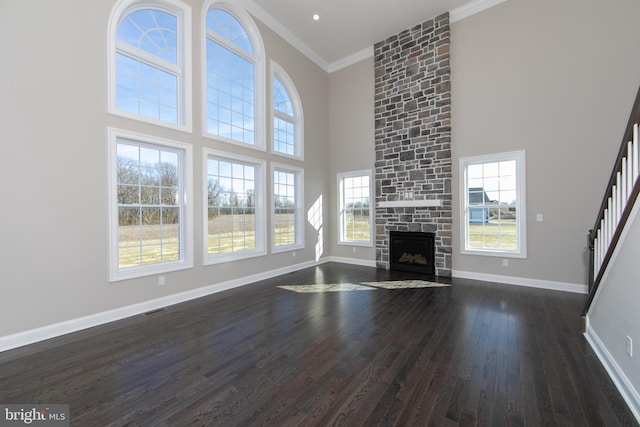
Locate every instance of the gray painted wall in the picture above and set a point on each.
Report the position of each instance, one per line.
(554, 78)
(352, 145)
(614, 313)
(54, 252)
(557, 79)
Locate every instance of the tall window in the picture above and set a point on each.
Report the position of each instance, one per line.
(355, 213)
(235, 212)
(150, 62)
(287, 212)
(287, 115)
(493, 204)
(233, 67)
(149, 208)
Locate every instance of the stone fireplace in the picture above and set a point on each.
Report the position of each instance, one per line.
(413, 139)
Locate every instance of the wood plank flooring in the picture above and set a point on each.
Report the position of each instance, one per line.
(474, 353)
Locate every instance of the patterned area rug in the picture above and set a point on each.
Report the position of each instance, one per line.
(404, 284)
(364, 286)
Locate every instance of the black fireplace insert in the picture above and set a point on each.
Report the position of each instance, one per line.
(412, 251)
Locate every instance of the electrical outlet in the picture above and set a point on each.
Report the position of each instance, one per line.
(354, 249)
(505, 262)
(539, 217)
(293, 254)
(629, 346)
(162, 281)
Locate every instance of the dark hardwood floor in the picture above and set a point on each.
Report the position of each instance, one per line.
(474, 353)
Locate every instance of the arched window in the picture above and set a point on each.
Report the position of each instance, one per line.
(234, 76)
(287, 115)
(150, 62)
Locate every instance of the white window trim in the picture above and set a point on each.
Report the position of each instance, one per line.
(520, 157)
(260, 207)
(363, 243)
(296, 104)
(299, 217)
(185, 60)
(259, 72)
(186, 226)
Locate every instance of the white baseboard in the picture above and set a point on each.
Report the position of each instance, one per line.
(523, 281)
(31, 336)
(622, 383)
(354, 261)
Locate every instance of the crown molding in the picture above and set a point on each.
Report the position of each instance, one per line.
(466, 10)
(351, 59)
(257, 11)
(455, 15)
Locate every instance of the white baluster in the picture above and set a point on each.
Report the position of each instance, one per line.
(629, 168)
(607, 222)
(623, 183)
(596, 254)
(618, 200)
(614, 206)
(603, 248)
(598, 249)
(610, 224)
(635, 153)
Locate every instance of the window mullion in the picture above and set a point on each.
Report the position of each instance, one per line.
(227, 44)
(284, 116)
(149, 59)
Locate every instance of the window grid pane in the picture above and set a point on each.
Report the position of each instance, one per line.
(285, 208)
(283, 136)
(145, 83)
(149, 216)
(355, 213)
(230, 94)
(152, 31)
(281, 99)
(231, 206)
(229, 28)
(492, 206)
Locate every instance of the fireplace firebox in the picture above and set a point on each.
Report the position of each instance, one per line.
(412, 251)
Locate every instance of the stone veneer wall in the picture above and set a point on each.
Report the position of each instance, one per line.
(413, 135)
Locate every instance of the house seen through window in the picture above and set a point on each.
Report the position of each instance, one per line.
(355, 212)
(493, 204)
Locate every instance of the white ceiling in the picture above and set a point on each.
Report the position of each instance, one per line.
(347, 29)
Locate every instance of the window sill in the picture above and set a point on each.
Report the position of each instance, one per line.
(367, 244)
(223, 258)
(287, 248)
(494, 253)
(144, 271)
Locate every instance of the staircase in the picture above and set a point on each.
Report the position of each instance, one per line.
(620, 195)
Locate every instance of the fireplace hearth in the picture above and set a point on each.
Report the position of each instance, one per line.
(412, 251)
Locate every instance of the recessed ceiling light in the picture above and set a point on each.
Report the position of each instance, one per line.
(316, 17)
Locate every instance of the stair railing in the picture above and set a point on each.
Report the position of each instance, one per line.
(620, 195)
